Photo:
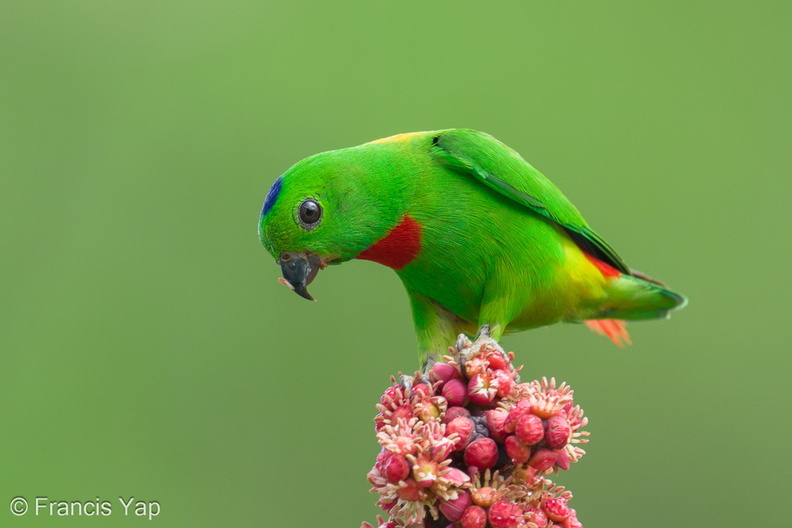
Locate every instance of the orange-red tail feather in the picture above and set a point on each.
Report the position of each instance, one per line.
(613, 329)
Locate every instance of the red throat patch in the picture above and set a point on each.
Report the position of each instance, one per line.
(399, 247)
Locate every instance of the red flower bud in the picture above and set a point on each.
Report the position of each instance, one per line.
(456, 476)
(422, 389)
(482, 389)
(529, 429)
(382, 457)
(496, 361)
(557, 432)
(474, 517)
(481, 453)
(396, 468)
(443, 372)
(505, 382)
(464, 427)
(504, 514)
(562, 462)
(453, 509)
(517, 451)
(537, 516)
(543, 459)
(455, 391)
(455, 412)
(495, 420)
(572, 520)
(441, 450)
(515, 413)
(556, 508)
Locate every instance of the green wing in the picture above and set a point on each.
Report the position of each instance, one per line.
(497, 166)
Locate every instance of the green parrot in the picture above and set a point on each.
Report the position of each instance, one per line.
(478, 236)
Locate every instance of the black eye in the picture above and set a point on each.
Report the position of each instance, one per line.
(310, 213)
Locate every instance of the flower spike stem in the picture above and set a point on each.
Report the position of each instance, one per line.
(468, 445)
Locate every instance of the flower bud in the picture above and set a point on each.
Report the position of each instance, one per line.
(474, 517)
(481, 453)
(495, 420)
(543, 459)
(443, 372)
(556, 508)
(453, 509)
(572, 520)
(454, 412)
(562, 462)
(456, 476)
(462, 426)
(529, 429)
(442, 449)
(517, 451)
(455, 391)
(482, 389)
(522, 407)
(536, 516)
(396, 468)
(505, 382)
(557, 432)
(505, 514)
(422, 389)
(496, 361)
(392, 393)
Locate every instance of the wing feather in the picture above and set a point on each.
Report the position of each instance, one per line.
(502, 169)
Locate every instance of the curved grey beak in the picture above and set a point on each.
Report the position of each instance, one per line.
(299, 270)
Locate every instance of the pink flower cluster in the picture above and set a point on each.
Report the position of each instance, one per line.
(470, 446)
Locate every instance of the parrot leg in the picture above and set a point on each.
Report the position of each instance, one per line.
(495, 331)
(437, 328)
(498, 310)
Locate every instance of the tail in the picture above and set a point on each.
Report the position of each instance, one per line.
(630, 297)
(613, 329)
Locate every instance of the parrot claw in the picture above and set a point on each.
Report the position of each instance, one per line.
(462, 342)
(406, 381)
(484, 331)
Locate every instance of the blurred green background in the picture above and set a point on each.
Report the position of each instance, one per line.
(147, 350)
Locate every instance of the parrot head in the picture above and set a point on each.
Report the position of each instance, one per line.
(326, 209)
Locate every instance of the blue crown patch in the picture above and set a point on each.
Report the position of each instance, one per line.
(272, 195)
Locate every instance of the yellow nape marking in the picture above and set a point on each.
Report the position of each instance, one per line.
(397, 138)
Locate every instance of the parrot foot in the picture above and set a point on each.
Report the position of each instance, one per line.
(406, 381)
(483, 345)
(463, 342)
(430, 360)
